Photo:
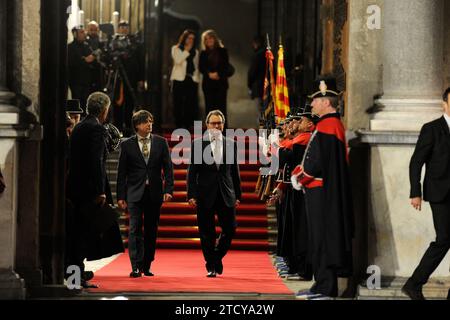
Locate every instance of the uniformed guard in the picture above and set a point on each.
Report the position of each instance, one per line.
(324, 175)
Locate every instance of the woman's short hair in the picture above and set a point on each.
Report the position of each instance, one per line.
(213, 34)
(215, 113)
(184, 36)
(97, 103)
(141, 117)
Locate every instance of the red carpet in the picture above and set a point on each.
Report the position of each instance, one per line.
(182, 271)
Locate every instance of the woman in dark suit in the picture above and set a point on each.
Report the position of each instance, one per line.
(214, 65)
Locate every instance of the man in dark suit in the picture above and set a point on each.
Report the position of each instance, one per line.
(81, 63)
(214, 187)
(140, 189)
(87, 181)
(433, 151)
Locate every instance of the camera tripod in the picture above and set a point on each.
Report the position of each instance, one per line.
(116, 77)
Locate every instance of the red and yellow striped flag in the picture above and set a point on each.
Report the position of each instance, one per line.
(282, 106)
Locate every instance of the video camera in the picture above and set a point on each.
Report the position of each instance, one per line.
(118, 46)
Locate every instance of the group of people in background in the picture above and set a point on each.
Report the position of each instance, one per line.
(115, 67)
(210, 65)
(188, 64)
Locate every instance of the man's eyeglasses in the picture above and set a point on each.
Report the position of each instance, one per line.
(216, 123)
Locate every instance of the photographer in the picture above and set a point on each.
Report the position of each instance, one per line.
(81, 59)
(97, 46)
(127, 52)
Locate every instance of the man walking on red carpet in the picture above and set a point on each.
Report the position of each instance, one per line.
(140, 189)
(214, 187)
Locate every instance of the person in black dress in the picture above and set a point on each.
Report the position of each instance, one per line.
(215, 68)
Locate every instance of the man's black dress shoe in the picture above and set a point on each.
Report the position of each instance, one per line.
(219, 267)
(135, 274)
(87, 285)
(211, 274)
(147, 273)
(412, 292)
(88, 275)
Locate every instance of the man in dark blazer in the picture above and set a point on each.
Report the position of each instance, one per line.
(433, 151)
(140, 189)
(214, 187)
(87, 183)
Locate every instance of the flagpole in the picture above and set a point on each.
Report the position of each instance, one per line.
(268, 42)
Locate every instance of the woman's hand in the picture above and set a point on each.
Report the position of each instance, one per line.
(188, 47)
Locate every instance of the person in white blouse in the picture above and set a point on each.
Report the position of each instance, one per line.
(185, 78)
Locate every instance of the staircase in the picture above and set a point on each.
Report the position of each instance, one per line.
(178, 224)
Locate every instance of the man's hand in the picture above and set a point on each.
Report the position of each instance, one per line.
(90, 58)
(238, 203)
(214, 76)
(193, 203)
(122, 204)
(417, 203)
(168, 197)
(276, 196)
(101, 200)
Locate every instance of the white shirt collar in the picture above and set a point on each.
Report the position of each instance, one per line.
(447, 118)
(219, 137)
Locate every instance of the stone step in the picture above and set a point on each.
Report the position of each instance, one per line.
(436, 289)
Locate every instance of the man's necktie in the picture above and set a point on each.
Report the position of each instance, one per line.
(217, 155)
(145, 149)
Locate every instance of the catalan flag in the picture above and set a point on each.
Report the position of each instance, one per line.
(282, 106)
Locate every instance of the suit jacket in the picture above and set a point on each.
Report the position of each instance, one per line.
(134, 171)
(205, 181)
(87, 177)
(80, 72)
(433, 150)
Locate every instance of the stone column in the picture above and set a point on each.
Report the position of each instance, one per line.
(11, 286)
(8, 114)
(412, 65)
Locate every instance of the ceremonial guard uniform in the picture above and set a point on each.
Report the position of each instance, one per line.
(324, 175)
